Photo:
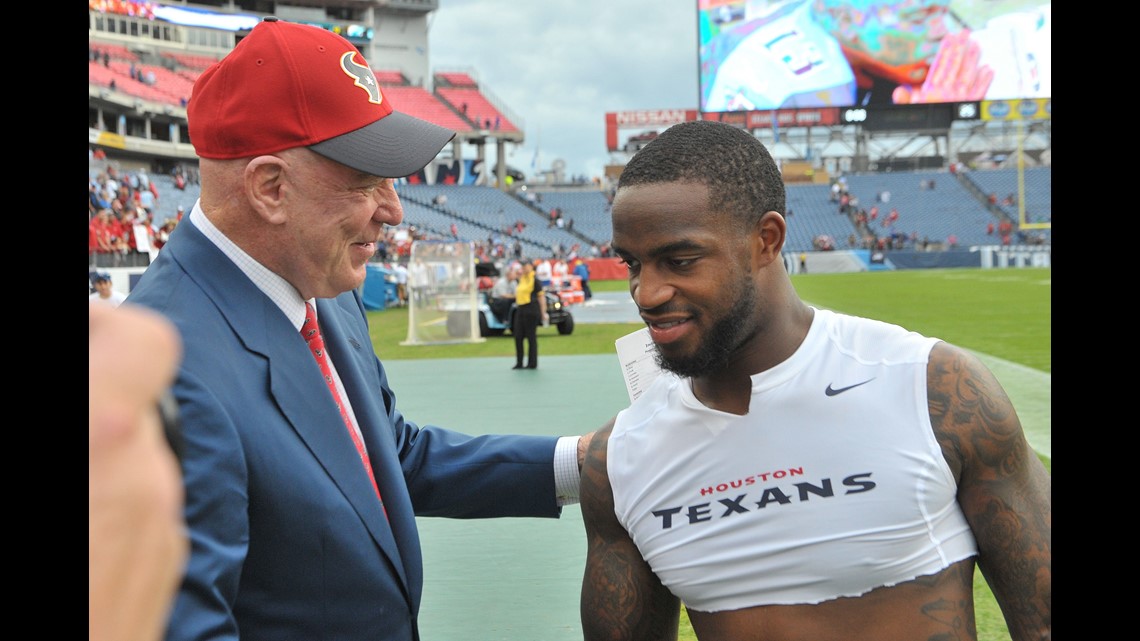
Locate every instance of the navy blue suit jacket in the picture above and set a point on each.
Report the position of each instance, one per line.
(288, 539)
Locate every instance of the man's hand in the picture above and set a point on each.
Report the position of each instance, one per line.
(137, 542)
(955, 74)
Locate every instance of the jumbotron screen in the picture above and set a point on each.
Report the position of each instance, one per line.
(780, 54)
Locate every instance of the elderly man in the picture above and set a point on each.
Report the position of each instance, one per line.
(303, 478)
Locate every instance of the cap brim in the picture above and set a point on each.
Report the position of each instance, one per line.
(395, 146)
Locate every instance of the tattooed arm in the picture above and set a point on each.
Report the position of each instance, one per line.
(622, 600)
(1003, 488)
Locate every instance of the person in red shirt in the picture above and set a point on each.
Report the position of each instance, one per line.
(100, 234)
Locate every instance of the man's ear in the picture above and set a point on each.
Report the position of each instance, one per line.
(264, 179)
(768, 237)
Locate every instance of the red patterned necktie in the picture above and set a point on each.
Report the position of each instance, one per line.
(311, 332)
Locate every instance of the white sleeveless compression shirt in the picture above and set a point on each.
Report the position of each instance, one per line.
(832, 485)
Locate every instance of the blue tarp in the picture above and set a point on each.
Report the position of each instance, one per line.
(378, 292)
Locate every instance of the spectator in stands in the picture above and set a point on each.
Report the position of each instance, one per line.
(146, 199)
(952, 241)
(543, 272)
(163, 233)
(99, 198)
(129, 220)
(105, 293)
(100, 237)
(145, 222)
(1005, 228)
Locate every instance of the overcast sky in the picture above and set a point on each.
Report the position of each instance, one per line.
(561, 65)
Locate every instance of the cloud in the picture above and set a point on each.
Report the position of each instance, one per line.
(561, 65)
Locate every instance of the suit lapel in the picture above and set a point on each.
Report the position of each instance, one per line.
(355, 360)
(295, 379)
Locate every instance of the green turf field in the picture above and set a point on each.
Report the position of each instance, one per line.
(1003, 315)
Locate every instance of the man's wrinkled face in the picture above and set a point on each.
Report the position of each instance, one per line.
(336, 216)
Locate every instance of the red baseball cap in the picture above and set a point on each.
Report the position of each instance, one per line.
(291, 85)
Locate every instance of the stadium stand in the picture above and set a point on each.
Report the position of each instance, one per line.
(390, 77)
(422, 104)
(590, 211)
(191, 62)
(933, 205)
(948, 209)
(813, 217)
(454, 79)
(490, 213)
(473, 105)
(494, 220)
(134, 77)
(1002, 184)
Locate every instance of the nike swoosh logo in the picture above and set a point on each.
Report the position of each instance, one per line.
(832, 391)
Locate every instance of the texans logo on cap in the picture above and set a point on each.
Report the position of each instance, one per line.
(362, 77)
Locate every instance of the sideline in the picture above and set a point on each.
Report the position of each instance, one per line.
(1031, 392)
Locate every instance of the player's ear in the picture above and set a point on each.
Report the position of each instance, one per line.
(768, 235)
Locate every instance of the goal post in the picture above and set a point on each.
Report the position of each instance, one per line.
(442, 294)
